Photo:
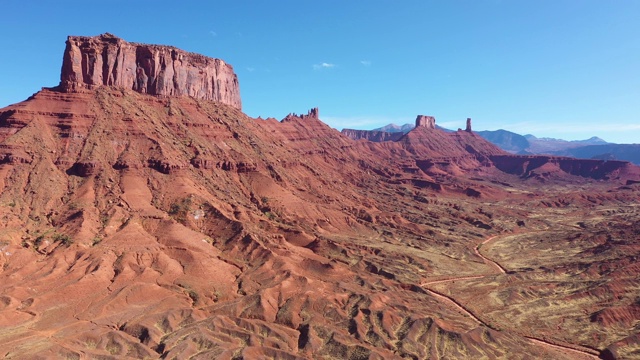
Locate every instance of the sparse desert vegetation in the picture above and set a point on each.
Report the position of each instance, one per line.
(179, 227)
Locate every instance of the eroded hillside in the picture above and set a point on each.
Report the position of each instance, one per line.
(140, 226)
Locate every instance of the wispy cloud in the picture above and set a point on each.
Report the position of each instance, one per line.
(251, 69)
(365, 62)
(213, 33)
(323, 65)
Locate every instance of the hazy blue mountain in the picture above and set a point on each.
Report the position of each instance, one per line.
(404, 128)
(550, 145)
(396, 128)
(628, 152)
(594, 140)
(506, 140)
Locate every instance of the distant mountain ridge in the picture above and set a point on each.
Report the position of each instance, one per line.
(551, 145)
(592, 140)
(392, 128)
(507, 140)
(628, 152)
(592, 148)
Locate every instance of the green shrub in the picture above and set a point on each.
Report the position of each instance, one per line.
(63, 239)
(180, 209)
(193, 295)
(96, 240)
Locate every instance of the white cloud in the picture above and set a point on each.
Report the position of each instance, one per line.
(251, 69)
(323, 65)
(365, 62)
(213, 33)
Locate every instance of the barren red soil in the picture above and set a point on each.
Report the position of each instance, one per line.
(134, 226)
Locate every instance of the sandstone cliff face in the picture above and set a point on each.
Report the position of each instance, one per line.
(543, 166)
(90, 62)
(426, 121)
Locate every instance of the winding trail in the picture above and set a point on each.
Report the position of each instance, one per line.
(454, 303)
(584, 352)
(486, 259)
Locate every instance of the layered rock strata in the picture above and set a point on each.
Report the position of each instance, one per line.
(90, 62)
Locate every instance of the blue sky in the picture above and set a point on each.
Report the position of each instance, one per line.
(565, 69)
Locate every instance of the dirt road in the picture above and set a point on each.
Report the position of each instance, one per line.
(574, 350)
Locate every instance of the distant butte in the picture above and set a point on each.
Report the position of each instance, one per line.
(93, 61)
(426, 121)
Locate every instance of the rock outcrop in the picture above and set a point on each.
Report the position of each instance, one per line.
(544, 166)
(426, 121)
(313, 113)
(90, 62)
(468, 128)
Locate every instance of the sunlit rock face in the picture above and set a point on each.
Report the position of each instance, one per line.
(102, 60)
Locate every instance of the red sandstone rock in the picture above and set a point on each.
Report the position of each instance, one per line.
(313, 113)
(426, 121)
(200, 232)
(95, 61)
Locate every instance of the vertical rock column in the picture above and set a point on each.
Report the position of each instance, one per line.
(426, 121)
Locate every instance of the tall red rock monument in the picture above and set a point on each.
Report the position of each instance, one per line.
(426, 121)
(93, 61)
